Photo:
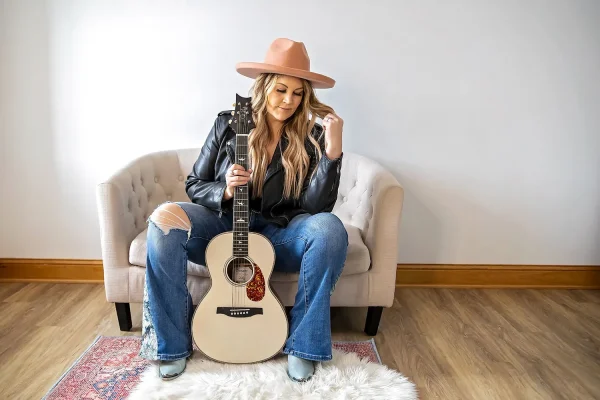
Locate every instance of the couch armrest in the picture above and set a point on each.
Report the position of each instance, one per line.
(371, 199)
(126, 200)
(118, 227)
(381, 237)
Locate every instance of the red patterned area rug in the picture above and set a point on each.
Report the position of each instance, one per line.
(111, 369)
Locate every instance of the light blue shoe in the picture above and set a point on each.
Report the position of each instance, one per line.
(299, 369)
(168, 370)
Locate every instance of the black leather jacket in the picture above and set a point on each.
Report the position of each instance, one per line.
(206, 183)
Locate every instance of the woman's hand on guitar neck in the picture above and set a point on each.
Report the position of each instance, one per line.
(236, 176)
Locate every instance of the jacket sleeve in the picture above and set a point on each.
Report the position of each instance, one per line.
(320, 193)
(201, 186)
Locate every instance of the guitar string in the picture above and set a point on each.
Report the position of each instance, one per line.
(244, 208)
(239, 290)
(240, 263)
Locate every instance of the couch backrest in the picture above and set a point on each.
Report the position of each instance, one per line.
(162, 177)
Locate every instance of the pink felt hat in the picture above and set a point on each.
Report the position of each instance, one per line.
(286, 57)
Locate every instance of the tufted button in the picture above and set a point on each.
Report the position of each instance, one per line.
(156, 179)
(180, 178)
(169, 197)
(345, 198)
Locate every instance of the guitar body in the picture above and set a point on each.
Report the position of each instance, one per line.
(233, 335)
(240, 319)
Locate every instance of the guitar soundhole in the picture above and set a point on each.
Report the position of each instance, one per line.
(240, 271)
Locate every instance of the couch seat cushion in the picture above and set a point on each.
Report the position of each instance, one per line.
(357, 259)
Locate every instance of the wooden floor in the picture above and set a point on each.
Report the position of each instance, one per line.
(453, 344)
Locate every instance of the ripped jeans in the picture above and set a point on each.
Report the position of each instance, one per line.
(313, 245)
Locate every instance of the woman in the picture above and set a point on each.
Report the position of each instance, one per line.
(294, 179)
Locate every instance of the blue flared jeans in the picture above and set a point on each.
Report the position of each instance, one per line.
(313, 245)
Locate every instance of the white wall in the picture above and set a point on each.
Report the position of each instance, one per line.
(488, 114)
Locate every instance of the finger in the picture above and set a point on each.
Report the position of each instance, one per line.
(330, 117)
(238, 183)
(237, 166)
(239, 172)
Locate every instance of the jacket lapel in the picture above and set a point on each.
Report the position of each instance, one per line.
(230, 149)
(276, 162)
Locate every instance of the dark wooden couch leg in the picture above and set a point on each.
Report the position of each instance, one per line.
(124, 316)
(373, 318)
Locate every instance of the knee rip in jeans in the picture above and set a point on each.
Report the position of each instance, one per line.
(171, 216)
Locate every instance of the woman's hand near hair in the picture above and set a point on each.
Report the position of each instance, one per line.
(333, 126)
(236, 176)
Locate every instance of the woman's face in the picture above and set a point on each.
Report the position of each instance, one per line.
(285, 97)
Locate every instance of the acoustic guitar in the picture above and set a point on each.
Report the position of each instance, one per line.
(240, 319)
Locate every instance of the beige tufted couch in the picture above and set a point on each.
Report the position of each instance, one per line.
(369, 203)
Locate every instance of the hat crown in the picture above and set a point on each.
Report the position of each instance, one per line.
(288, 53)
(286, 57)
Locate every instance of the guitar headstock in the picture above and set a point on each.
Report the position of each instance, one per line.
(242, 122)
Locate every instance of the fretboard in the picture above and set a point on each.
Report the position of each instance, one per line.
(240, 202)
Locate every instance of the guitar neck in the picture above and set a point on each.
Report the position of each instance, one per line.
(241, 201)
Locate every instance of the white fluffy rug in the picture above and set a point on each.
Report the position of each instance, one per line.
(345, 377)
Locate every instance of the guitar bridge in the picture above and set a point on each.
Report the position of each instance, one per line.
(239, 312)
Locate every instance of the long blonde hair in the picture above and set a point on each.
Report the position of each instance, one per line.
(296, 129)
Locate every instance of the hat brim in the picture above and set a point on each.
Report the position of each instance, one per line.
(252, 70)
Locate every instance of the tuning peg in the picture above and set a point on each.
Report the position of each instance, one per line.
(230, 122)
(233, 113)
(233, 105)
